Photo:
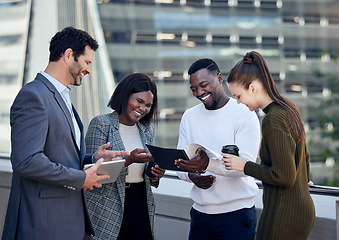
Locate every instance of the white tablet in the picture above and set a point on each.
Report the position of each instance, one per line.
(112, 168)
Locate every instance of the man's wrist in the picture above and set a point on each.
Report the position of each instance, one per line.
(206, 164)
(190, 175)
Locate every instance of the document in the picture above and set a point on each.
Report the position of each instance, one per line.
(164, 157)
(112, 168)
(192, 151)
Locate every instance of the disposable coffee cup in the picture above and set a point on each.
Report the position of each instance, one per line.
(230, 149)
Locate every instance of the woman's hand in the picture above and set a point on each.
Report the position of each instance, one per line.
(233, 162)
(138, 156)
(157, 172)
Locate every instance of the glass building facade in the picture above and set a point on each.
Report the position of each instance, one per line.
(163, 37)
(14, 22)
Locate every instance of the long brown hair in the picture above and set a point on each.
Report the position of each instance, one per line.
(252, 67)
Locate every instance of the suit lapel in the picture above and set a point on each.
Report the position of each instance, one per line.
(60, 101)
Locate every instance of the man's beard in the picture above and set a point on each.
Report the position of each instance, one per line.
(77, 81)
(211, 106)
(76, 76)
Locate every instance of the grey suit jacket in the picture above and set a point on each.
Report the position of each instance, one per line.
(46, 199)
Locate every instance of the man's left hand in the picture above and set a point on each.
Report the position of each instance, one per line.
(198, 164)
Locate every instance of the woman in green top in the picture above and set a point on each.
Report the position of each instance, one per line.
(288, 211)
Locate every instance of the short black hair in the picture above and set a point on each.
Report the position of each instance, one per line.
(202, 63)
(73, 38)
(134, 83)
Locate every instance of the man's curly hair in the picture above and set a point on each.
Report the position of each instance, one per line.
(73, 38)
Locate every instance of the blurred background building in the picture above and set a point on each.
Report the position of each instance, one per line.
(162, 38)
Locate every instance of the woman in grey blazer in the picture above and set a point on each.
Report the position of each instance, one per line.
(125, 208)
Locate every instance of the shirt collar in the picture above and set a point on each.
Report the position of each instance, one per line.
(58, 85)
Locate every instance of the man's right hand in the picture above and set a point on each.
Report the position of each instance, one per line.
(198, 164)
(203, 182)
(92, 178)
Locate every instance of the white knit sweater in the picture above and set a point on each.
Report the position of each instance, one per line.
(231, 124)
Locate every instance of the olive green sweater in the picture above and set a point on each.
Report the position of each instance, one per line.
(288, 211)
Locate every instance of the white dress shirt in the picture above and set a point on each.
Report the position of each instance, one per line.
(65, 92)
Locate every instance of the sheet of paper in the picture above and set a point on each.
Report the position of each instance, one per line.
(192, 151)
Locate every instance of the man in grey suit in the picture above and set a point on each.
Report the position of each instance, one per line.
(48, 151)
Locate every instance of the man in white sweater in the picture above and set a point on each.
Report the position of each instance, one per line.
(223, 200)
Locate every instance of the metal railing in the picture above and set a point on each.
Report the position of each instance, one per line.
(314, 189)
(4, 156)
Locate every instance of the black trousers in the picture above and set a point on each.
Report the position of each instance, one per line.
(135, 223)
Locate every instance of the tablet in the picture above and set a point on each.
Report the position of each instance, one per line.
(164, 157)
(112, 168)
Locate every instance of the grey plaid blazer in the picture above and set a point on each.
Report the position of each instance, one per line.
(106, 205)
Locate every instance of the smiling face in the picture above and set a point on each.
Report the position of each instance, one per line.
(139, 105)
(245, 96)
(78, 69)
(207, 87)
